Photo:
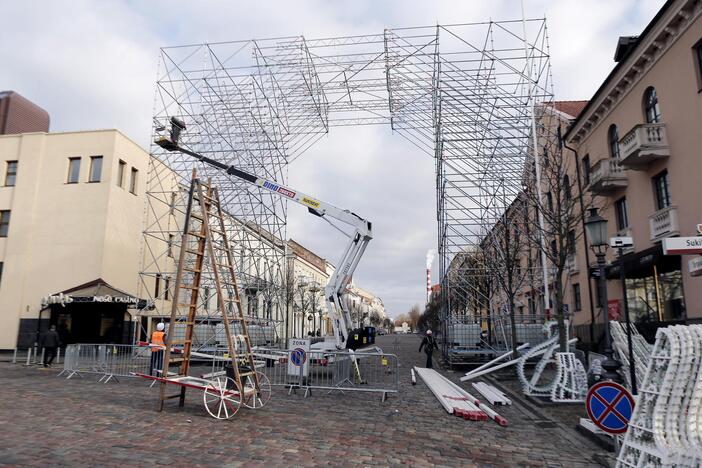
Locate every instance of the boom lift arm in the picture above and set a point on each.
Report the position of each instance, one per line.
(339, 280)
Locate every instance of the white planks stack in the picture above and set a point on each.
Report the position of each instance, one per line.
(455, 400)
(491, 393)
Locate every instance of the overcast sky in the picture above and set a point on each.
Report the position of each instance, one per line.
(92, 64)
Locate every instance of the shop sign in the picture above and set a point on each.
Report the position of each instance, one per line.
(116, 299)
(682, 245)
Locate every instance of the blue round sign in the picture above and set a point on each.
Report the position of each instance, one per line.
(298, 356)
(610, 406)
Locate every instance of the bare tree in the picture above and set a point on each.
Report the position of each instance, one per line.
(413, 316)
(561, 207)
(504, 248)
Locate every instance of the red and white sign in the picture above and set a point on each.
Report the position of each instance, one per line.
(613, 309)
(682, 245)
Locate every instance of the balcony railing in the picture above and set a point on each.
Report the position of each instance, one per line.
(664, 223)
(607, 175)
(643, 144)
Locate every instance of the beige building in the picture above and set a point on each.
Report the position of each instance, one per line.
(308, 274)
(71, 216)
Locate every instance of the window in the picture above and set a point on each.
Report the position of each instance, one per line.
(566, 187)
(613, 139)
(554, 248)
(661, 190)
(577, 303)
(166, 287)
(206, 297)
(1, 268)
(11, 174)
(170, 245)
(545, 158)
(95, 168)
(652, 110)
(157, 286)
(4, 222)
(571, 241)
(549, 201)
(586, 169)
(121, 167)
(698, 63)
(73, 170)
(133, 181)
(622, 214)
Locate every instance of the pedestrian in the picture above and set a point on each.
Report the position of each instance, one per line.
(158, 345)
(50, 341)
(429, 344)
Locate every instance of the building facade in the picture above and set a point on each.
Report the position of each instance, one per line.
(71, 216)
(638, 144)
(20, 115)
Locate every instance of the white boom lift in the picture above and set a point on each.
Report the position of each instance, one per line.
(336, 288)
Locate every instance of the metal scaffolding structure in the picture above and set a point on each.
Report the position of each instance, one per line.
(463, 94)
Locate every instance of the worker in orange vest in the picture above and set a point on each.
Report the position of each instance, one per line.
(158, 345)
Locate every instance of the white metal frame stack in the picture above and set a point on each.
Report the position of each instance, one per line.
(571, 380)
(491, 393)
(666, 427)
(455, 400)
(641, 349)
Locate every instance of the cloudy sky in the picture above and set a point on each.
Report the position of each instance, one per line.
(92, 64)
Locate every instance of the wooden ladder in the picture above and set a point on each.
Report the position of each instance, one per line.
(204, 228)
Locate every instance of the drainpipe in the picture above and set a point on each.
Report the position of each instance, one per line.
(562, 144)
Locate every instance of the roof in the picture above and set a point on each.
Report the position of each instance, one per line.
(572, 108)
(307, 255)
(620, 64)
(97, 287)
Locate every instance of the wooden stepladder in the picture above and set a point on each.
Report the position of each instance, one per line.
(204, 243)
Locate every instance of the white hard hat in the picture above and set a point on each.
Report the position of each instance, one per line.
(428, 332)
(160, 327)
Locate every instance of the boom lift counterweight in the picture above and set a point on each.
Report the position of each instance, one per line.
(339, 280)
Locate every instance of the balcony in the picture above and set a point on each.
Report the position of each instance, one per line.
(664, 223)
(643, 144)
(606, 176)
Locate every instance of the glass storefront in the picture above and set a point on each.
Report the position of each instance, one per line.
(656, 298)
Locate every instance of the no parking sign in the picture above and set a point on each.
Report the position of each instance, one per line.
(298, 357)
(609, 406)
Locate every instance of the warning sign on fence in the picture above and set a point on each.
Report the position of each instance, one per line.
(298, 357)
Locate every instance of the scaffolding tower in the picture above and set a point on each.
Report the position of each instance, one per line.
(463, 94)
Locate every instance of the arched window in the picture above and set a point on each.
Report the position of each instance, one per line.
(613, 136)
(652, 110)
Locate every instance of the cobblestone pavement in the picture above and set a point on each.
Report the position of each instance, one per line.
(47, 420)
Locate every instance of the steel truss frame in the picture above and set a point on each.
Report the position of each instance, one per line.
(461, 93)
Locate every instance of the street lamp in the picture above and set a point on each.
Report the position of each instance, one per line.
(596, 227)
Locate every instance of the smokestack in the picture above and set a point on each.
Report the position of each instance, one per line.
(430, 260)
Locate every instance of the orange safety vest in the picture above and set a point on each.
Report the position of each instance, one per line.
(157, 343)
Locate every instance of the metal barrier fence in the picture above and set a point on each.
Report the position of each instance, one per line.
(332, 371)
(33, 356)
(375, 372)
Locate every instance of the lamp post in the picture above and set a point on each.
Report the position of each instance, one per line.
(314, 289)
(632, 364)
(596, 227)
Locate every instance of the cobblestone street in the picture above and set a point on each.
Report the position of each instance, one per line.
(48, 420)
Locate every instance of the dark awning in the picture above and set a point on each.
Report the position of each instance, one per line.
(96, 291)
(640, 264)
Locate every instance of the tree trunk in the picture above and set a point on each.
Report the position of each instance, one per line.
(513, 325)
(560, 317)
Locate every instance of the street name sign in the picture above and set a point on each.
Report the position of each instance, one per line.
(682, 245)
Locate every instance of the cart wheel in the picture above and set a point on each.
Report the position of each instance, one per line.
(222, 398)
(253, 399)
